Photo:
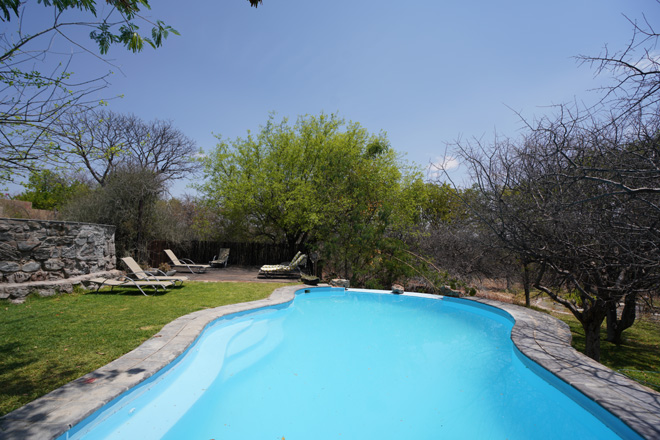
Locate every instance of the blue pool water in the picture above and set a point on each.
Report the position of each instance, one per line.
(337, 364)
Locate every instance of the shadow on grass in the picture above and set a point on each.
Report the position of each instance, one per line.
(6, 352)
(633, 358)
(130, 292)
(20, 384)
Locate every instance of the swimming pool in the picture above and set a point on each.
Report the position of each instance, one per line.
(353, 364)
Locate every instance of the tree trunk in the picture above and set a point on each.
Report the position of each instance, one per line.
(591, 320)
(526, 283)
(616, 325)
(592, 340)
(140, 232)
(291, 243)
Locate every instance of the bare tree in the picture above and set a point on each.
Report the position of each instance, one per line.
(579, 195)
(620, 157)
(186, 219)
(635, 70)
(573, 198)
(456, 241)
(161, 148)
(102, 141)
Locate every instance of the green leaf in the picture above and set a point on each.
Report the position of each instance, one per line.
(7, 6)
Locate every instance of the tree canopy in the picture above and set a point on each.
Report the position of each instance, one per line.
(574, 196)
(101, 141)
(115, 26)
(128, 200)
(321, 181)
(48, 189)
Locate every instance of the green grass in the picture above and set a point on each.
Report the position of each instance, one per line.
(47, 342)
(638, 357)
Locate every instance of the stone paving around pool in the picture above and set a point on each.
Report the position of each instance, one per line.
(243, 274)
(547, 341)
(540, 337)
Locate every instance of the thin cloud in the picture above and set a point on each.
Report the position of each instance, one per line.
(650, 61)
(446, 163)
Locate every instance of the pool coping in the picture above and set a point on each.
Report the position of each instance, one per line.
(541, 337)
(547, 341)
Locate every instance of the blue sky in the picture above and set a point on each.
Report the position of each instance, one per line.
(426, 72)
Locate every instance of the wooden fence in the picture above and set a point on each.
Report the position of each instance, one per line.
(240, 254)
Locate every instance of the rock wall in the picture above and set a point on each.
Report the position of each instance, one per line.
(40, 251)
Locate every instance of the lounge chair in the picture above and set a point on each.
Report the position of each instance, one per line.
(221, 258)
(158, 275)
(186, 263)
(285, 270)
(129, 282)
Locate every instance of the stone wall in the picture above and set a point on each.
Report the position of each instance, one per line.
(45, 254)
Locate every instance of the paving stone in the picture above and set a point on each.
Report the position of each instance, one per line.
(12, 430)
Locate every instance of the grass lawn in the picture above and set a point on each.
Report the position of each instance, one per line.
(47, 342)
(638, 357)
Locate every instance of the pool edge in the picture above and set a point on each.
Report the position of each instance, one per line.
(547, 341)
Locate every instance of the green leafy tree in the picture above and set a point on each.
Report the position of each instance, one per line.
(441, 205)
(373, 206)
(321, 182)
(48, 189)
(185, 219)
(116, 26)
